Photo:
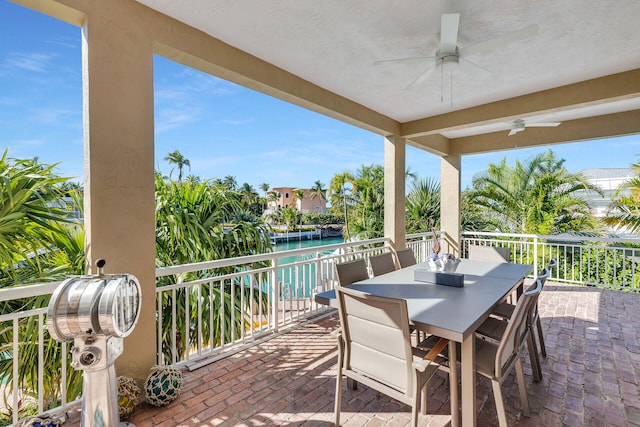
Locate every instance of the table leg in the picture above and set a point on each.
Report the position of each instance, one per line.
(453, 384)
(468, 362)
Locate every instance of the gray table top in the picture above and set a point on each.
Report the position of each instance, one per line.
(449, 312)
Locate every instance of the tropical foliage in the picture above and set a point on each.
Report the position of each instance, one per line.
(624, 210)
(538, 196)
(37, 240)
(196, 220)
(423, 206)
(359, 198)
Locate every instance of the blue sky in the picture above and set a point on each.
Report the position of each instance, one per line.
(222, 128)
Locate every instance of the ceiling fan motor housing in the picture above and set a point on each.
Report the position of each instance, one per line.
(448, 60)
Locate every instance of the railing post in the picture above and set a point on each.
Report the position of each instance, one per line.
(423, 248)
(318, 278)
(276, 295)
(535, 255)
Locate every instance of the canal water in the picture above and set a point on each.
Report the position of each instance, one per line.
(300, 244)
(299, 281)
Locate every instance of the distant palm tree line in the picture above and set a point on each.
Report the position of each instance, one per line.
(535, 196)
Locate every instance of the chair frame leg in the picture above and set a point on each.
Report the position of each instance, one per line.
(522, 387)
(543, 348)
(338, 401)
(418, 394)
(536, 367)
(497, 396)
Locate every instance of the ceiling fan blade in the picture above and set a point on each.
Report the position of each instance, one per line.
(500, 41)
(542, 124)
(405, 60)
(422, 77)
(449, 32)
(472, 68)
(515, 130)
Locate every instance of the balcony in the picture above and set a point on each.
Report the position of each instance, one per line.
(590, 376)
(280, 370)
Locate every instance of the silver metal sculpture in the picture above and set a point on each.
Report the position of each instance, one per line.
(96, 312)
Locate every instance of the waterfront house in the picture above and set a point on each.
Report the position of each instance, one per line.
(286, 197)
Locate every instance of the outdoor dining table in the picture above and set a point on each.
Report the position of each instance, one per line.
(449, 312)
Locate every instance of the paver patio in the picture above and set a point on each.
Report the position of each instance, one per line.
(590, 377)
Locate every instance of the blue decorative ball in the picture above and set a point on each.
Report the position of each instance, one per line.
(163, 385)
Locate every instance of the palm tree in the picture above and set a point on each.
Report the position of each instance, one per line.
(539, 196)
(230, 182)
(423, 206)
(179, 160)
(298, 194)
(338, 195)
(250, 197)
(290, 216)
(624, 210)
(318, 190)
(29, 209)
(273, 197)
(264, 187)
(38, 242)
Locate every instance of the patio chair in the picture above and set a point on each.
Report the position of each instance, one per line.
(406, 257)
(489, 253)
(494, 327)
(374, 349)
(352, 271)
(381, 264)
(495, 360)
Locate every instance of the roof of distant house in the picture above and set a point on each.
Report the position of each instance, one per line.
(608, 173)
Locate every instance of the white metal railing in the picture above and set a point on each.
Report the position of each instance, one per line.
(233, 302)
(17, 342)
(593, 261)
(211, 308)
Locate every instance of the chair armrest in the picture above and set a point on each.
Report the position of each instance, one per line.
(436, 349)
(423, 359)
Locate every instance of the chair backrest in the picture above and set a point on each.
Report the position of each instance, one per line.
(352, 271)
(382, 263)
(406, 257)
(376, 336)
(516, 330)
(533, 314)
(489, 253)
(542, 276)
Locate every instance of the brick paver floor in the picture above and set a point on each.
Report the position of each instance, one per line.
(590, 377)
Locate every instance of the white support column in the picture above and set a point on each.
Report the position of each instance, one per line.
(450, 204)
(394, 190)
(117, 61)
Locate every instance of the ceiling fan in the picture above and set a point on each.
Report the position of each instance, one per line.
(449, 54)
(518, 125)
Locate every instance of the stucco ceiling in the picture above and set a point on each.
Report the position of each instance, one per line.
(335, 43)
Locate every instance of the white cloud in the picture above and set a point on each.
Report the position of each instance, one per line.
(171, 118)
(37, 62)
(24, 143)
(53, 115)
(237, 122)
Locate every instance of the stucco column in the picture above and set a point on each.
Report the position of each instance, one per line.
(450, 204)
(394, 190)
(118, 154)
